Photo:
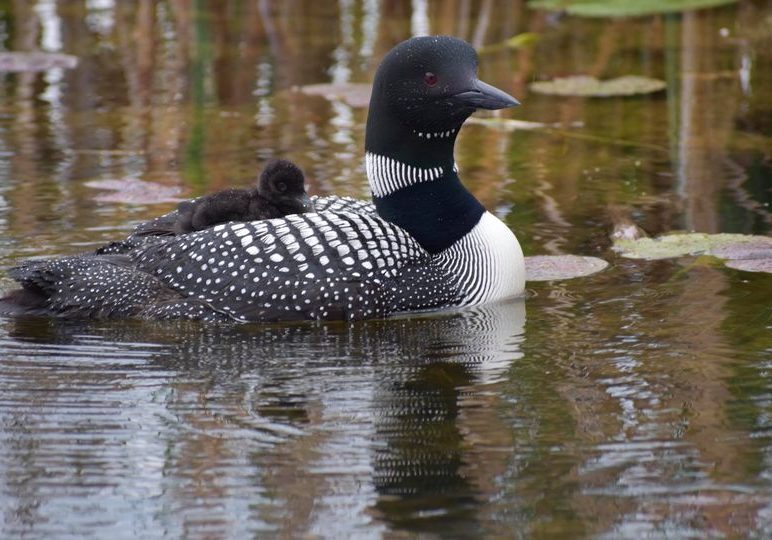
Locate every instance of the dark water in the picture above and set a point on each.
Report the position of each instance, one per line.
(634, 403)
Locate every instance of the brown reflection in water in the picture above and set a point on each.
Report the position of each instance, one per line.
(129, 109)
(22, 136)
(708, 104)
(653, 441)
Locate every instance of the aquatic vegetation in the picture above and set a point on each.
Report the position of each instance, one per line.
(526, 39)
(624, 8)
(744, 252)
(557, 267)
(511, 124)
(584, 85)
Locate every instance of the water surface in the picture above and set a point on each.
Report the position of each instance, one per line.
(634, 403)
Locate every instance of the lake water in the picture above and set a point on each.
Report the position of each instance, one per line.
(633, 403)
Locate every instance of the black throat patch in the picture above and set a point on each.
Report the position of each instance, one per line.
(436, 213)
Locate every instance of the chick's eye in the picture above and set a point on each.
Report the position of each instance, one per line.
(430, 78)
(281, 187)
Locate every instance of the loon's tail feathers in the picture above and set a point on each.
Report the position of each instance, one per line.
(23, 302)
(105, 286)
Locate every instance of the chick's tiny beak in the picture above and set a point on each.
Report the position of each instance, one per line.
(306, 203)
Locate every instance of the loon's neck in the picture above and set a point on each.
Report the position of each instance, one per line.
(415, 183)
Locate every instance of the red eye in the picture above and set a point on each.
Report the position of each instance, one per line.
(430, 78)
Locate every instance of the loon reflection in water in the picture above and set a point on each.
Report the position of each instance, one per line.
(396, 407)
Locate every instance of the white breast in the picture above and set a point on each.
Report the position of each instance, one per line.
(488, 262)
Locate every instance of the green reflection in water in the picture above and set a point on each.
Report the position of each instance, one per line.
(195, 170)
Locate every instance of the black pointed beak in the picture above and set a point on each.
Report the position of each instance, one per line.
(485, 96)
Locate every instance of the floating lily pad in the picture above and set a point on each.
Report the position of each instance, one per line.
(353, 94)
(556, 267)
(510, 124)
(752, 265)
(745, 252)
(753, 247)
(135, 191)
(20, 62)
(724, 245)
(624, 8)
(584, 85)
(515, 42)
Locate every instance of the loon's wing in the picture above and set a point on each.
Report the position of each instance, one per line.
(107, 286)
(160, 226)
(304, 266)
(147, 233)
(333, 203)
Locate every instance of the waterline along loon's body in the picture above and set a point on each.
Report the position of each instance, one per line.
(430, 244)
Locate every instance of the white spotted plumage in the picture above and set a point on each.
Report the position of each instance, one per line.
(332, 284)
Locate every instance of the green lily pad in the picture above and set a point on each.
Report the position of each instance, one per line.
(745, 252)
(353, 94)
(556, 267)
(624, 8)
(586, 86)
(519, 41)
(28, 62)
(752, 265)
(510, 124)
(724, 245)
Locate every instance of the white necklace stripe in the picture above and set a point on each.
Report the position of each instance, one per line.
(387, 175)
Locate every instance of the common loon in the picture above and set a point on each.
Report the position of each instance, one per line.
(430, 245)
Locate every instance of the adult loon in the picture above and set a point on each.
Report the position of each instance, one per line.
(430, 245)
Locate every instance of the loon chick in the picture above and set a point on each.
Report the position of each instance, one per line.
(431, 244)
(280, 191)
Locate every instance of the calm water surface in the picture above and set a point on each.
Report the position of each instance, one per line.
(634, 403)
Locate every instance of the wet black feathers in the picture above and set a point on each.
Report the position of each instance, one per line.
(280, 191)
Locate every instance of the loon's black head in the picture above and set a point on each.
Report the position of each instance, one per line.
(423, 91)
(282, 183)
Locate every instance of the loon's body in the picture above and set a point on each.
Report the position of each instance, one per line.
(429, 245)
